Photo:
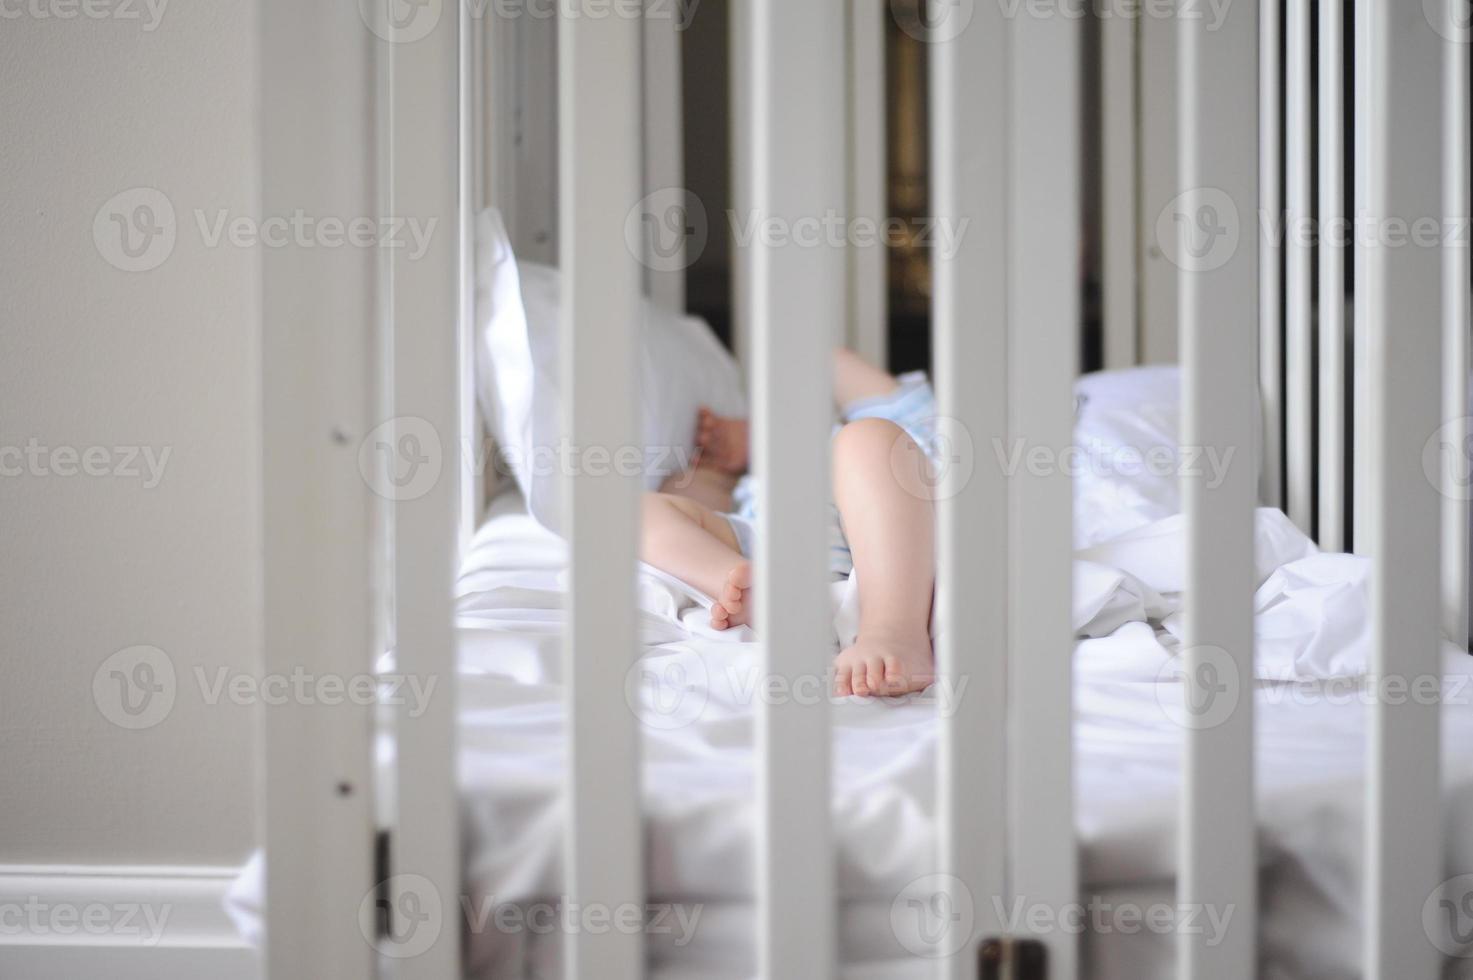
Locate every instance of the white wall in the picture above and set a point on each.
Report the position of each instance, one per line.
(91, 356)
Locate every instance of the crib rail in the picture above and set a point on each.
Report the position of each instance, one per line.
(1270, 253)
(664, 149)
(1456, 275)
(317, 353)
(1331, 475)
(869, 277)
(1219, 311)
(796, 303)
(1044, 319)
(424, 119)
(1298, 268)
(1404, 347)
(600, 177)
(970, 322)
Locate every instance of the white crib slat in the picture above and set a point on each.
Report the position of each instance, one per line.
(796, 301)
(969, 169)
(1156, 157)
(317, 361)
(1299, 252)
(868, 278)
(1331, 516)
(664, 152)
(740, 58)
(1043, 341)
(473, 182)
(1404, 813)
(424, 126)
(600, 181)
(1455, 308)
(1360, 368)
(1219, 309)
(1118, 203)
(1271, 254)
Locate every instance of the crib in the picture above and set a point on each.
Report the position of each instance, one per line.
(1355, 416)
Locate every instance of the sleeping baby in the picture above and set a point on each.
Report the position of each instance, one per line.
(701, 526)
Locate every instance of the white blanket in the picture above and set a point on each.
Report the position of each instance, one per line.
(695, 691)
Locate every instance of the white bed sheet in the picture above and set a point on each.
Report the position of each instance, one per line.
(694, 689)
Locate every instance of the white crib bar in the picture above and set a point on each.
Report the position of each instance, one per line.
(424, 128)
(1219, 309)
(1360, 368)
(1403, 803)
(317, 315)
(664, 153)
(1044, 319)
(1119, 203)
(797, 78)
(1455, 304)
(1299, 269)
(1271, 253)
(868, 274)
(969, 168)
(600, 182)
(739, 53)
(475, 166)
(1331, 516)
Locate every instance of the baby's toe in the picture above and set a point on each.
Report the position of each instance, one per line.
(879, 682)
(741, 576)
(895, 679)
(843, 680)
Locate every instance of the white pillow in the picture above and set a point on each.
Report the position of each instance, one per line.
(1126, 432)
(518, 311)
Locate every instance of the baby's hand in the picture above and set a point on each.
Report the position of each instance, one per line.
(721, 442)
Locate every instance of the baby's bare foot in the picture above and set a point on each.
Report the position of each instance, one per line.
(885, 663)
(722, 442)
(733, 607)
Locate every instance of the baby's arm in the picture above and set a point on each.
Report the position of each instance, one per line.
(705, 485)
(724, 444)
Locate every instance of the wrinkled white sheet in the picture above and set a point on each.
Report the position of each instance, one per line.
(696, 691)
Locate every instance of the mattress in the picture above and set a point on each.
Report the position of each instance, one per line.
(695, 690)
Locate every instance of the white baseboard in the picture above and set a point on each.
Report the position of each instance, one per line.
(145, 921)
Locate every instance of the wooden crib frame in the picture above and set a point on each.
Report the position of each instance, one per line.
(366, 111)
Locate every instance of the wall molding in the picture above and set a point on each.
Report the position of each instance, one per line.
(144, 920)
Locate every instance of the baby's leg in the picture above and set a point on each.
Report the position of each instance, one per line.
(855, 378)
(890, 527)
(697, 545)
